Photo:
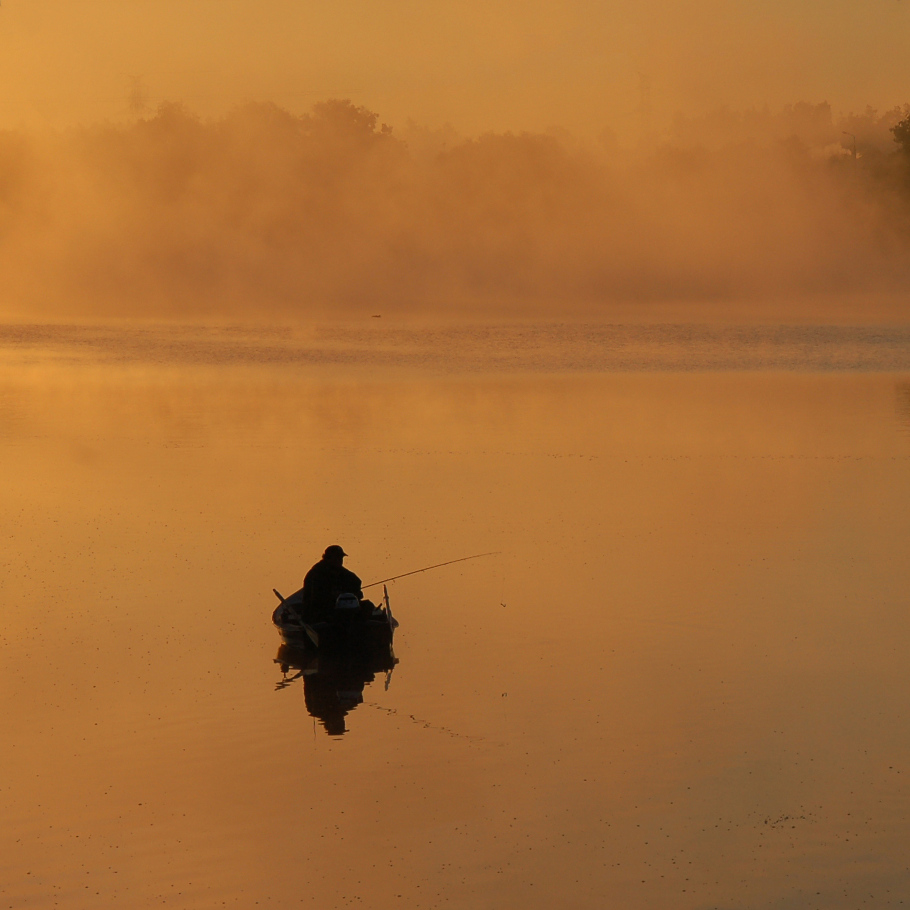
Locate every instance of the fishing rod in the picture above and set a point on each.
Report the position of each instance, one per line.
(438, 565)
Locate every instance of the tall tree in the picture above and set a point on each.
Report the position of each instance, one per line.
(901, 131)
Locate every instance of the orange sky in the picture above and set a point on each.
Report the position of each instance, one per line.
(479, 65)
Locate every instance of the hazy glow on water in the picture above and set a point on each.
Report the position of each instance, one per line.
(683, 684)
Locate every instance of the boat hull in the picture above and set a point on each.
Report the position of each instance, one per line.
(348, 633)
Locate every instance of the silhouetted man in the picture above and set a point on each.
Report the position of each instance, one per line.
(324, 582)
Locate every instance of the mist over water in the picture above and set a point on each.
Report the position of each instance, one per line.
(455, 349)
(262, 214)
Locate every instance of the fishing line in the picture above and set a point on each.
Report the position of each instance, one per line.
(438, 565)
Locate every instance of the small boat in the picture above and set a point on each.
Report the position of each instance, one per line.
(349, 629)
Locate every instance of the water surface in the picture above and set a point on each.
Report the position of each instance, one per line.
(682, 683)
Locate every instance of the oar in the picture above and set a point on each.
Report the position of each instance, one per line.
(438, 565)
(312, 634)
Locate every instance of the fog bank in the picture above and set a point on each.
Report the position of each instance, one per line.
(264, 214)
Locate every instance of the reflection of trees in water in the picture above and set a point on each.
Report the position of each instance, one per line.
(333, 684)
(902, 393)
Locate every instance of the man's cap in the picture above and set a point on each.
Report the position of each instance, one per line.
(334, 550)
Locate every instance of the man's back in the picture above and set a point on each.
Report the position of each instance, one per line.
(321, 587)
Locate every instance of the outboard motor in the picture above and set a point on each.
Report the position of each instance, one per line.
(346, 618)
(347, 604)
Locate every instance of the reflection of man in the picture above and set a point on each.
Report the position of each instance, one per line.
(335, 691)
(324, 582)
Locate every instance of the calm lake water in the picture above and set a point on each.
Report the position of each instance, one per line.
(682, 683)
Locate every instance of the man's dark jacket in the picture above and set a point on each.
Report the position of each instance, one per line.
(321, 587)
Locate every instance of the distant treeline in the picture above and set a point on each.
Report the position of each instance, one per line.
(811, 126)
(265, 212)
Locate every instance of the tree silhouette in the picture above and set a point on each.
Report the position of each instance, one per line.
(901, 131)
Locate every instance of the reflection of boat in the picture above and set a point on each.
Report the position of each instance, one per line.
(349, 630)
(336, 659)
(333, 681)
